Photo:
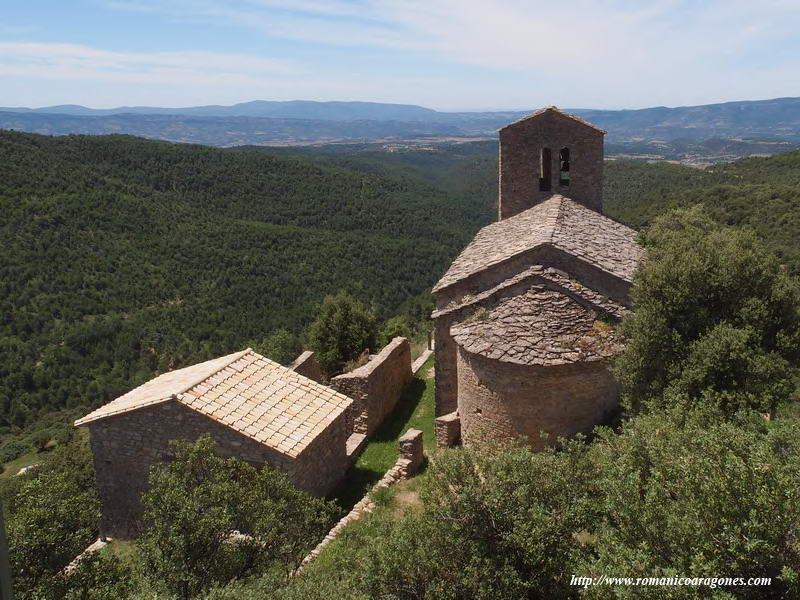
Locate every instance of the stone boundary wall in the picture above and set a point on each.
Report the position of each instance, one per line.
(376, 386)
(421, 360)
(307, 365)
(408, 463)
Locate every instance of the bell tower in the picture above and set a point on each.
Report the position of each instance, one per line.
(550, 152)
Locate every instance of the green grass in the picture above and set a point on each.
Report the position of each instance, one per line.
(11, 468)
(125, 550)
(338, 555)
(414, 410)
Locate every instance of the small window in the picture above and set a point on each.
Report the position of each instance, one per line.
(545, 165)
(563, 167)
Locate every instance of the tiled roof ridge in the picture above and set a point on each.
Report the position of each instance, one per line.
(559, 218)
(554, 218)
(91, 417)
(500, 225)
(559, 111)
(236, 356)
(246, 392)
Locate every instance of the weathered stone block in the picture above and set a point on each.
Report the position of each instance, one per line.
(448, 430)
(411, 449)
(501, 401)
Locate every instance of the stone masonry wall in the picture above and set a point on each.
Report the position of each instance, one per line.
(444, 366)
(376, 386)
(126, 445)
(520, 147)
(500, 401)
(307, 365)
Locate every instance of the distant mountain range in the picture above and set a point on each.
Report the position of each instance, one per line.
(308, 122)
(294, 109)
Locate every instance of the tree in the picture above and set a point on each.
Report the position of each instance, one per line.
(212, 520)
(495, 523)
(97, 576)
(281, 345)
(53, 520)
(672, 494)
(344, 329)
(690, 495)
(395, 327)
(716, 321)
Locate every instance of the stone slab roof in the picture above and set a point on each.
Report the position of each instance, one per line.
(537, 327)
(563, 113)
(551, 277)
(253, 395)
(558, 221)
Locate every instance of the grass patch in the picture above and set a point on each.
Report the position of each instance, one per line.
(11, 468)
(125, 550)
(339, 555)
(414, 410)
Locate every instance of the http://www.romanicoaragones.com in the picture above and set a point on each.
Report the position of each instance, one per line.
(710, 582)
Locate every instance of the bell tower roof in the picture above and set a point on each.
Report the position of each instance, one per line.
(554, 110)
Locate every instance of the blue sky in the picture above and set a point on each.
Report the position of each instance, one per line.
(445, 54)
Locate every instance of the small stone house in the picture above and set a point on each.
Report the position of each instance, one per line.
(255, 409)
(525, 315)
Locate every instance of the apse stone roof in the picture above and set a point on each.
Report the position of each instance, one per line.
(253, 395)
(548, 276)
(557, 221)
(555, 109)
(537, 327)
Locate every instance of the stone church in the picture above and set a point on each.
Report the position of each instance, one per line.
(524, 321)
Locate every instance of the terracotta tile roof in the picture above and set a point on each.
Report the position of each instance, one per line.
(537, 327)
(559, 221)
(251, 394)
(555, 109)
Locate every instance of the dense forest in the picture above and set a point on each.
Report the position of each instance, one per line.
(759, 193)
(123, 257)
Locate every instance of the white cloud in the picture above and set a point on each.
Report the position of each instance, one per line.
(519, 53)
(76, 62)
(630, 52)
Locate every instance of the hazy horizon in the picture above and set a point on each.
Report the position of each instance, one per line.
(443, 54)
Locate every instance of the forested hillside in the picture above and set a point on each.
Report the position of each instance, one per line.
(122, 257)
(760, 193)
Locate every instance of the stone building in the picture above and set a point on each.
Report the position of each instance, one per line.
(254, 408)
(525, 315)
